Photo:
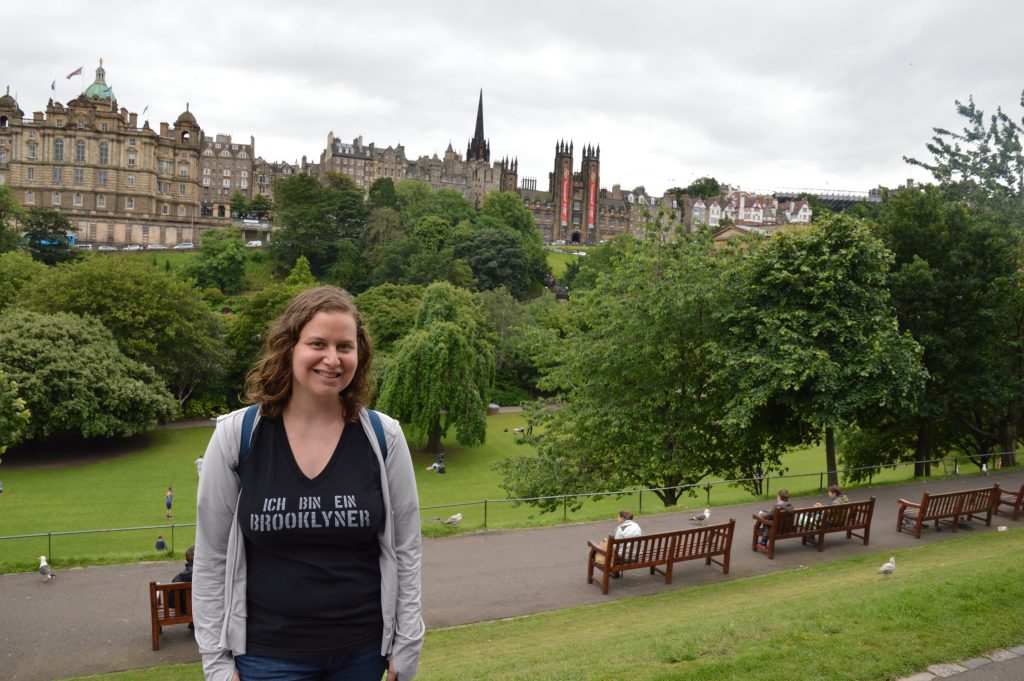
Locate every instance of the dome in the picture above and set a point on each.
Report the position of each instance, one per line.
(10, 104)
(99, 89)
(186, 117)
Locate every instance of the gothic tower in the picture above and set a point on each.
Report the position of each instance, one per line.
(590, 173)
(560, 186)
(479, 149)
(509, 175)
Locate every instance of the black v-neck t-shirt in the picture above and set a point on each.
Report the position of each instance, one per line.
(313, 570)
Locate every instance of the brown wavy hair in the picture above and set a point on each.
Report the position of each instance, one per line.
(269, 382)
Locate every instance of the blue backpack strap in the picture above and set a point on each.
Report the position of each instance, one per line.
(248, 419)
(378, 429)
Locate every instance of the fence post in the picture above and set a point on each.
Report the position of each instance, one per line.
(641, 510)
(485, 513)
(172, 539)
(565, 507)
(821, 480)
(49, 546)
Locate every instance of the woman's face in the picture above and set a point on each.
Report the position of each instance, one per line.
(326, 355)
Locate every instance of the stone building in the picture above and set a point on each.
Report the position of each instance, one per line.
(227, 168)
(264, 173)
(117, 182)
(473, 176)
(575, 210)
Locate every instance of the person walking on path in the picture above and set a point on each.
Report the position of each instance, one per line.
(169, 501)
(308, 546)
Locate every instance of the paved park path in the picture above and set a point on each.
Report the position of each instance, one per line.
(96, 619)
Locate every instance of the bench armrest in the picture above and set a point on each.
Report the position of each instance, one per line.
(905, 504)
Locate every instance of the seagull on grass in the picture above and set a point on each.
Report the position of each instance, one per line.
(453, 520)
(45, 570)
(888, 568)
(702, 517)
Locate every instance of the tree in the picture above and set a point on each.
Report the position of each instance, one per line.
(221, 262)
(509, 209)
(383, 227)
(389, 311)
(314, 221)
(704, 187)
(811, 336)
(93, 392)
(443, 369)
(260, 206)
(382, 194)
(47, 232)
(633, 380)
(155, 318)
(239, 206)
(498, 259)
(11, 214)
(14, 416)
(17, 269)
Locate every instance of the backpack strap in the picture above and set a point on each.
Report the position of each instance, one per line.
(248, 419)
(378, 430)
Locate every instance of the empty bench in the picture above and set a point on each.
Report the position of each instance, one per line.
(811, 525)
(169, 604)
(659, 552)
(949, 507)
(1012, 500)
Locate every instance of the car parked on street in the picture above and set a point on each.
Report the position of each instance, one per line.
(156, 247)
(106, 248)
(254, 244)
(133, 247)
(184, 246)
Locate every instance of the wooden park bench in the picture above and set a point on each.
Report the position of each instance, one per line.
(659, 552)
(949, 507)
(169, 604)
(1013, 500)
(812, 524)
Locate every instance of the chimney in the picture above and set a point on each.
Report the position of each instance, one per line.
(163, 130)
(133, 120)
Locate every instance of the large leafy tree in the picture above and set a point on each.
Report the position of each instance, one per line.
(442, 370)
(155, 318)
(46, 231)
(221, 262)
(14, 415)
(94, 391)
(389, 311)
(260, 206)
(637, 404)
(812, 337)
(382, 194)
(11, 214)
(315, 221)
(17, 268)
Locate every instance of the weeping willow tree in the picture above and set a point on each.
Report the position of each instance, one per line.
(442, 371)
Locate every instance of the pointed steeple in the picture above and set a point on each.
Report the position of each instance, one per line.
(479, 149)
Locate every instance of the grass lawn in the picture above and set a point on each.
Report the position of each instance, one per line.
(128, 491)
(837, 621)
(559, 260)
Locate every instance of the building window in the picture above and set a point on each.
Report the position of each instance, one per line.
(80, 151)
(131, 180)
(77, 199)
(58, 149)
(226, 184)
(131, 141)
(79, 175)
(208, 152)
(165, 209)
(163, 166)
(58, 174)
(181, 190)
(103, 127)
(101, 178)
(32, 150)
(131, 159)
(30, 173)
(30, 197)
(245, 184)
(56, 198)
(129, 203)
(245, 173)
(81, 124)
(181, 211)
(163, 187)
(101, 201)
(60, 122)
(227, 172)
(206, 171)
(182, 171)
(104, 153)
(206, 182)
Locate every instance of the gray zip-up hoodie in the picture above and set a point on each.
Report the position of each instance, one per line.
(219, 574)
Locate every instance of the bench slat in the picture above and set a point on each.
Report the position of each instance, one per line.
(811, 524)
(169, 604)
(949, 507)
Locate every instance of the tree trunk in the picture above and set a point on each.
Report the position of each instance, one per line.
(923, 452)
(1008, 436)
(669, 497)
(434, 438)
(830, 455)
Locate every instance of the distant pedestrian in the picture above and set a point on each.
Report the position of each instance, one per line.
(169, 501)
(161, 545)
(1, 488)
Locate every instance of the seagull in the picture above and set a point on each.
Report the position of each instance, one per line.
(888, 568)
(701, 517)
(453, 520)
(45, 570)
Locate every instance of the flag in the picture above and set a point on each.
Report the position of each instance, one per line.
(145, 110)
(53, 86)
(76, 72)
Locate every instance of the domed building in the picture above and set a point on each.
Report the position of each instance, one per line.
(118, 182)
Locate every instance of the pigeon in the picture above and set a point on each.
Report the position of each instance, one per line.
(45, 570)
(701, 517)
(888, 568)
(453, 520)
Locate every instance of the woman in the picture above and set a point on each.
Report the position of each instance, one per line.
(308, 551)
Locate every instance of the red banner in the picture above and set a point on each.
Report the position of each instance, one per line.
(592, 201)
(565, 193)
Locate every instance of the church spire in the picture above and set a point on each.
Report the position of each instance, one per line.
(479, 149)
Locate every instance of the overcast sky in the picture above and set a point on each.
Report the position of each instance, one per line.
(759, 94)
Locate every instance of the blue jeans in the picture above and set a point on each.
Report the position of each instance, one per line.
(365, 664)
